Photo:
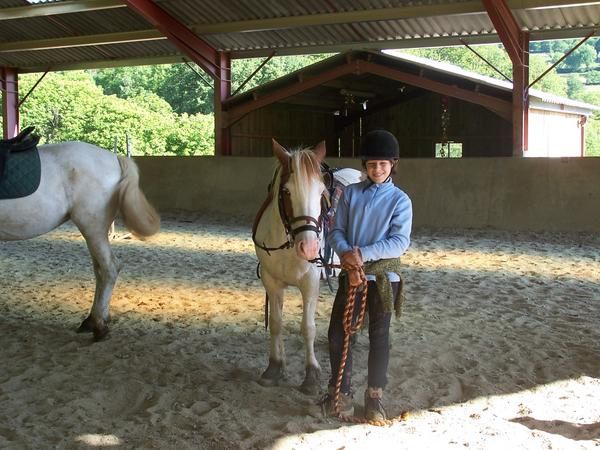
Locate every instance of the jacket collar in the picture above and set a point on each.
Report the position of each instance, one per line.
(368, 184)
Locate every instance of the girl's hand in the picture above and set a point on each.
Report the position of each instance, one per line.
(352, 259)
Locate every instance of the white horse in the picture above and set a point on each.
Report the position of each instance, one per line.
(90, 186)
(288, 235)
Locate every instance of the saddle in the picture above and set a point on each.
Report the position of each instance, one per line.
(19, 165)
(22, 142)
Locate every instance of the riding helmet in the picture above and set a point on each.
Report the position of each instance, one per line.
(379, 144)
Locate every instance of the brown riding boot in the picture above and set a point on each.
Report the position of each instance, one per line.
(374, 409)
(328, 405)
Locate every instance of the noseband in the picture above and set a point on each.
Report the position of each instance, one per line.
(286, 212)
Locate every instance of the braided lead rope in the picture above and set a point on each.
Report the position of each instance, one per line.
(349, 330)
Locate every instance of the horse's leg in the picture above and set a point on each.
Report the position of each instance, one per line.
(275, 370)
(310, 294)
(106, 271)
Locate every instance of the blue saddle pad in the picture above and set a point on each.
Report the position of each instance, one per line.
(22, 173)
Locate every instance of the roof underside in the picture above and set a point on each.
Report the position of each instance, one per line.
(361, 89)
(61, 35)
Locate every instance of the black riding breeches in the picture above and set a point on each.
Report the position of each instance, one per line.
(379, 337)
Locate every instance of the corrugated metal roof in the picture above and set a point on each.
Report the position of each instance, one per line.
(54, 33)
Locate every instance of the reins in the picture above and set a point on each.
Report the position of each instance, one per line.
(312, 224)
(349, 330)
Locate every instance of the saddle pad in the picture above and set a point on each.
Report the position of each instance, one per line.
(21, 175)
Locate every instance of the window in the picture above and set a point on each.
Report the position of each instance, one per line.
(448, 149)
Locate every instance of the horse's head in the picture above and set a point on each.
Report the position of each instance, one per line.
(300, 196)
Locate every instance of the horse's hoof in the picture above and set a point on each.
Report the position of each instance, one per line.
(268, 382)
(87, 326)
(273, 375)
(309, 389)
(100, 333)
(311, 383)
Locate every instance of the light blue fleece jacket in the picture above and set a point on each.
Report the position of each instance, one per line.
(377, 218)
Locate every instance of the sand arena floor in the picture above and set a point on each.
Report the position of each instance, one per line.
(498, 346)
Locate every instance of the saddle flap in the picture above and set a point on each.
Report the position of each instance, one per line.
(11, 184)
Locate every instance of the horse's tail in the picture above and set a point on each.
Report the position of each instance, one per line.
(139, 215)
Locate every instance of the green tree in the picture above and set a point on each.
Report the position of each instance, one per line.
(187, 88)
(69, 106)
(592, 77)
(275, 68)
(177, 84)
(581, 59)
(592, 127)
(574, 87)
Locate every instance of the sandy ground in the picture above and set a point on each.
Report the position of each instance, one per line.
(498, 347)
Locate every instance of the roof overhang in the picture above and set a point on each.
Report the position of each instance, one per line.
(74, 34)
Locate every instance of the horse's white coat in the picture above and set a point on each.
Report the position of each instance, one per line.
(88, 185)
(291, 267)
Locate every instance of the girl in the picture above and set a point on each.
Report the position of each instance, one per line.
(371, 231)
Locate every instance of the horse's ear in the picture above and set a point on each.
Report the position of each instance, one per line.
(280, 153)
(320, 150)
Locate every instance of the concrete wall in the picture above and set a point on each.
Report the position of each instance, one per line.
(538, 194)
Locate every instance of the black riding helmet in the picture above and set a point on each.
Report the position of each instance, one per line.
(379, 144)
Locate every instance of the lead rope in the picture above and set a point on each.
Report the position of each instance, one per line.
(349, 330)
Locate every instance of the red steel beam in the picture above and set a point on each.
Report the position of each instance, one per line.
(506, 26)
(522, 137)
(222, 92)
(516, 43)
(9, 85)
(182, 37)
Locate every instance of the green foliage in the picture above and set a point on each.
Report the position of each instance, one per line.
(592, 141)
(69, 106)
(177, 84)
(191, 136)
(539, 47)
(592, 127)
(277, 67)
(581, 59)
(574, 87)
(186, 87)
(592, 77)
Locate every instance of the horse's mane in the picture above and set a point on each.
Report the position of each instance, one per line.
(306, 167)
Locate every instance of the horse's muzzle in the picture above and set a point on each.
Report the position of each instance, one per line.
(307, 247)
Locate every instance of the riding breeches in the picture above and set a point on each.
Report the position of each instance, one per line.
(379, 337)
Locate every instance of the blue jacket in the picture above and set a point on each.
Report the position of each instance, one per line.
(377, 218)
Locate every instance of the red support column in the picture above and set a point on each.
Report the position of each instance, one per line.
(222, 92)
(9, 85)
(516, 43)
(524, 99)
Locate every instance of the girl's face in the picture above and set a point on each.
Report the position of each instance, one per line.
(378, 170)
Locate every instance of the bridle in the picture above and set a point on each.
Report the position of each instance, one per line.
(286, 213)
